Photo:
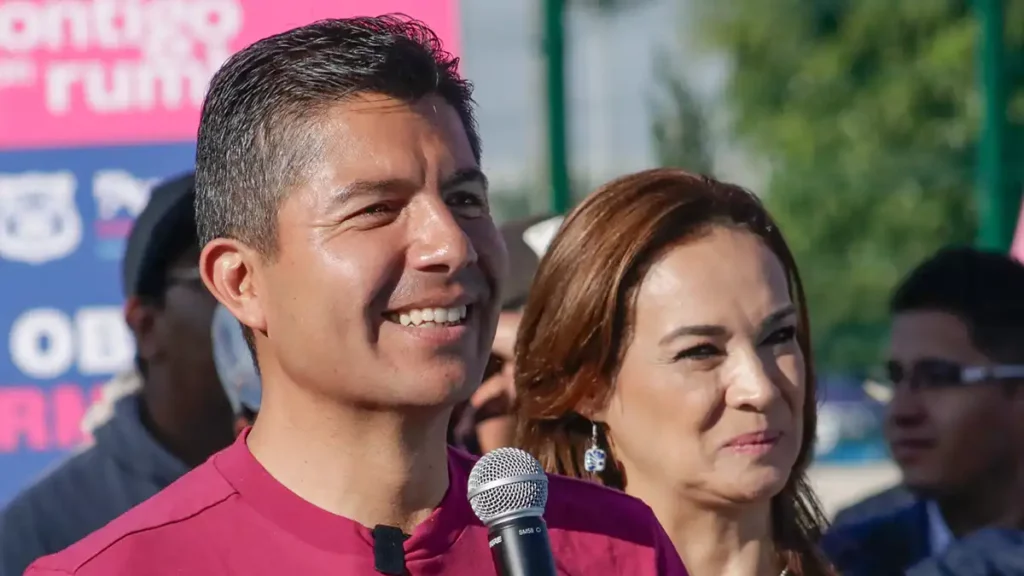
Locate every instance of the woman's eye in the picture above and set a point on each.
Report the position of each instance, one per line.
(781, 336)
(700, 352)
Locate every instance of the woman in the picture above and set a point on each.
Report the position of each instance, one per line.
(664, 351)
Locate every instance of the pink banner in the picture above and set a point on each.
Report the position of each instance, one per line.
(87, 72)
(44, 419)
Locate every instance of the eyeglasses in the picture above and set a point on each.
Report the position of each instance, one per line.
(934, 373)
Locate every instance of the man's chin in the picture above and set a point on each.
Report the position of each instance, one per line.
(434, 388)
(923, 486)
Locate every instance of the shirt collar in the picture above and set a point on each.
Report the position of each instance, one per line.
(939, 534)
(334, 533)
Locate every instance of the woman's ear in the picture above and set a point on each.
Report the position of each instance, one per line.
(595, 407)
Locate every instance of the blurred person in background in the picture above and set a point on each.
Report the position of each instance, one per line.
(236, 368)
(986, 552)
(153, 423)
(955, 423)
(486, 422)
(878, 504)
(664, 351)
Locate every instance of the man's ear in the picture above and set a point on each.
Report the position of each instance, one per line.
(229, 270)
(141, 319)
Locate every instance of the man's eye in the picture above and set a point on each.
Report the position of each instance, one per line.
(467, 204)
(465, 199)
(376, 210)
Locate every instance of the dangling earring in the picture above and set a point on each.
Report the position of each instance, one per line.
(594, 457)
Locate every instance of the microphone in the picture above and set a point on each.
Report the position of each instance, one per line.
(508, 490)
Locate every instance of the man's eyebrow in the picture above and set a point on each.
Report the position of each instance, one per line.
(359, 188)
(465, 176)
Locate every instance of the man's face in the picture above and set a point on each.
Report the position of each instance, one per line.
(174, 340)
(384, 288)
(944, 438)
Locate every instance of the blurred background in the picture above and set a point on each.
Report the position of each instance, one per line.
(876, 132)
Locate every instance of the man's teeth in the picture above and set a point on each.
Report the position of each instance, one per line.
(432, 316)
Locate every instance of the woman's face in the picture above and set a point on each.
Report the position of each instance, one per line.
(708, 400)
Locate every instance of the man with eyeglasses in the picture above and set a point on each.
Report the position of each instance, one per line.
(157, 422)
(955, 424)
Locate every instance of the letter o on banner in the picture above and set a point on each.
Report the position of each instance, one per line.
(19, 26)
(42, 343)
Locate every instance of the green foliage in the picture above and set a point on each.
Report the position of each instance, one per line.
(868, 113)
(680, 123)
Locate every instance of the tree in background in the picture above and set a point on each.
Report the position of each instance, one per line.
(868, 114)
(682, 138)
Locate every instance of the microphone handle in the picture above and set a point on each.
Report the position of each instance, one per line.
(521, 547)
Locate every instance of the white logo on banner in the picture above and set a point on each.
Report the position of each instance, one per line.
(46, 343)
(179, 45)
(117, 190)
(39, 221)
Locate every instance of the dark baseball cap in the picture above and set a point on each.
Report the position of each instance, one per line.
(527, 240)
(160, 233)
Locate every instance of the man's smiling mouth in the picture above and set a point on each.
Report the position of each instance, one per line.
(430, 317)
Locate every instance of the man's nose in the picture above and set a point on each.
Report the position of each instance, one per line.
(440, 244)
(905, 408)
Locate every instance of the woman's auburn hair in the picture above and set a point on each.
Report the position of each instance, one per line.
(577, 322)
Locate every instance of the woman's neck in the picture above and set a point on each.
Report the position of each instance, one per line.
(716, 541)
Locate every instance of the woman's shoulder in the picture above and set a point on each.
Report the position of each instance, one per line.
(597, 505)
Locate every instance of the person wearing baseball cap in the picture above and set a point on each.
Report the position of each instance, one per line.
(485, 422)
(155, 422)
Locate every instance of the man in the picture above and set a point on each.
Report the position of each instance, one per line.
(878, 504)
(956, 421)
(346, 225)
(153, 424)
(485, 422)
(988, 552)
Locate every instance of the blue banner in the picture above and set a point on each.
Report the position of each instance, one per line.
(64, 217)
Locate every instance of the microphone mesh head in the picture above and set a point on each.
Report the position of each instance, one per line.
(519, 485)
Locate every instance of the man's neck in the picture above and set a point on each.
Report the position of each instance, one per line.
(998, 501)
(372, 467)
(712, 540)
